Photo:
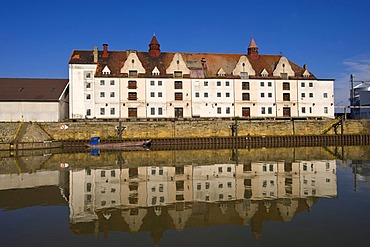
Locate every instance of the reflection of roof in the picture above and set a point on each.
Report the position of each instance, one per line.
(202, 214)
(39, 196)
(26, 89)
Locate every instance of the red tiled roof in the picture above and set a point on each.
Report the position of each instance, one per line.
(213, 63)
(31, 89)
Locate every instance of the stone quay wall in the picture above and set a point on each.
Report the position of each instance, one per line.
(83, 130)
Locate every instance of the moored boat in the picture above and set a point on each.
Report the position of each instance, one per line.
(96, 144)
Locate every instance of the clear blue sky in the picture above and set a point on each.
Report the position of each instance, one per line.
(331, 36)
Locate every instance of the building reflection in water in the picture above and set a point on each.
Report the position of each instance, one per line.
(158, 198)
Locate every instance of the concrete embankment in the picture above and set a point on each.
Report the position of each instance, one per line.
(44, 132)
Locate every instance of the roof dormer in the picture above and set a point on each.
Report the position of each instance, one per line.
(306, 74)
(264, 73)
(155, 71)
(106, 70)
(221, 72)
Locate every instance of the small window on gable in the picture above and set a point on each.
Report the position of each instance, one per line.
(244, 75)
(284, 76)
(177, 74)
(132, 73)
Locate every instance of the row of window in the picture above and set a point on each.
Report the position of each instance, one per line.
(179, 84)
(178, 96)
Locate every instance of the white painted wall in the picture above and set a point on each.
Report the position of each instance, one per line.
(31, 111)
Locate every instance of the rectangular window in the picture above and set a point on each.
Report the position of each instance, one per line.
(88, 75)
(269, 110)
(159, 94)
(310, 109)
(152, 94)
(178, 74)
(286, 86)
(263, 110)
(244, 75)
(102, 82)
(325, 95)
(102, 94)
(284, 76)
(132, 112)
(159, 83)
(132, 84)
(303, 110)
(218, 94)
(218, 110)
(112, 95)
(88, 85)
(262, 95)
(152, 111)
(132, 73)
(178, 84)
(311, 95)
(227, 83)
(303, 95)
(112, 111)
(245, 85)
(152, 83)
(178, 96)
(102, 111)
(197, 95)
(270, 95)
(286, 96)
(160, 111)
(310, 84)
(205, 95)
(227, 95)
(325, 110)
(206, 83)
(88, 112)
(303, 84)
(227, 110)
(112, 82)
(132, 96)
(269, 84)
(88, 96)
(245, 96)
(262, 83)
(218, 83)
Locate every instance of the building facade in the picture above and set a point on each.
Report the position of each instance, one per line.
(154, 84)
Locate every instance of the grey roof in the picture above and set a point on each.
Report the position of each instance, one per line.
(31, 89)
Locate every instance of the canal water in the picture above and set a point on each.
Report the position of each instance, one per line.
(317, 196)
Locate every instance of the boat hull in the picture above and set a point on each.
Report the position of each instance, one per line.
(137, 145)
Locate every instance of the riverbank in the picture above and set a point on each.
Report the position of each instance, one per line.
(44, 132)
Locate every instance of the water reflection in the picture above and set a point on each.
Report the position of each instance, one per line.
(176, 190)
(157, 198)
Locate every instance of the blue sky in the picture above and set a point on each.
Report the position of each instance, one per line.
(331, 36)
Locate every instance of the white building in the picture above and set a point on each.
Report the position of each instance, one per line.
(24, 99)
(154, 84)
(361, 98)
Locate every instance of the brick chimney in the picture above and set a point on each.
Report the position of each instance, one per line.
(105, 51)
